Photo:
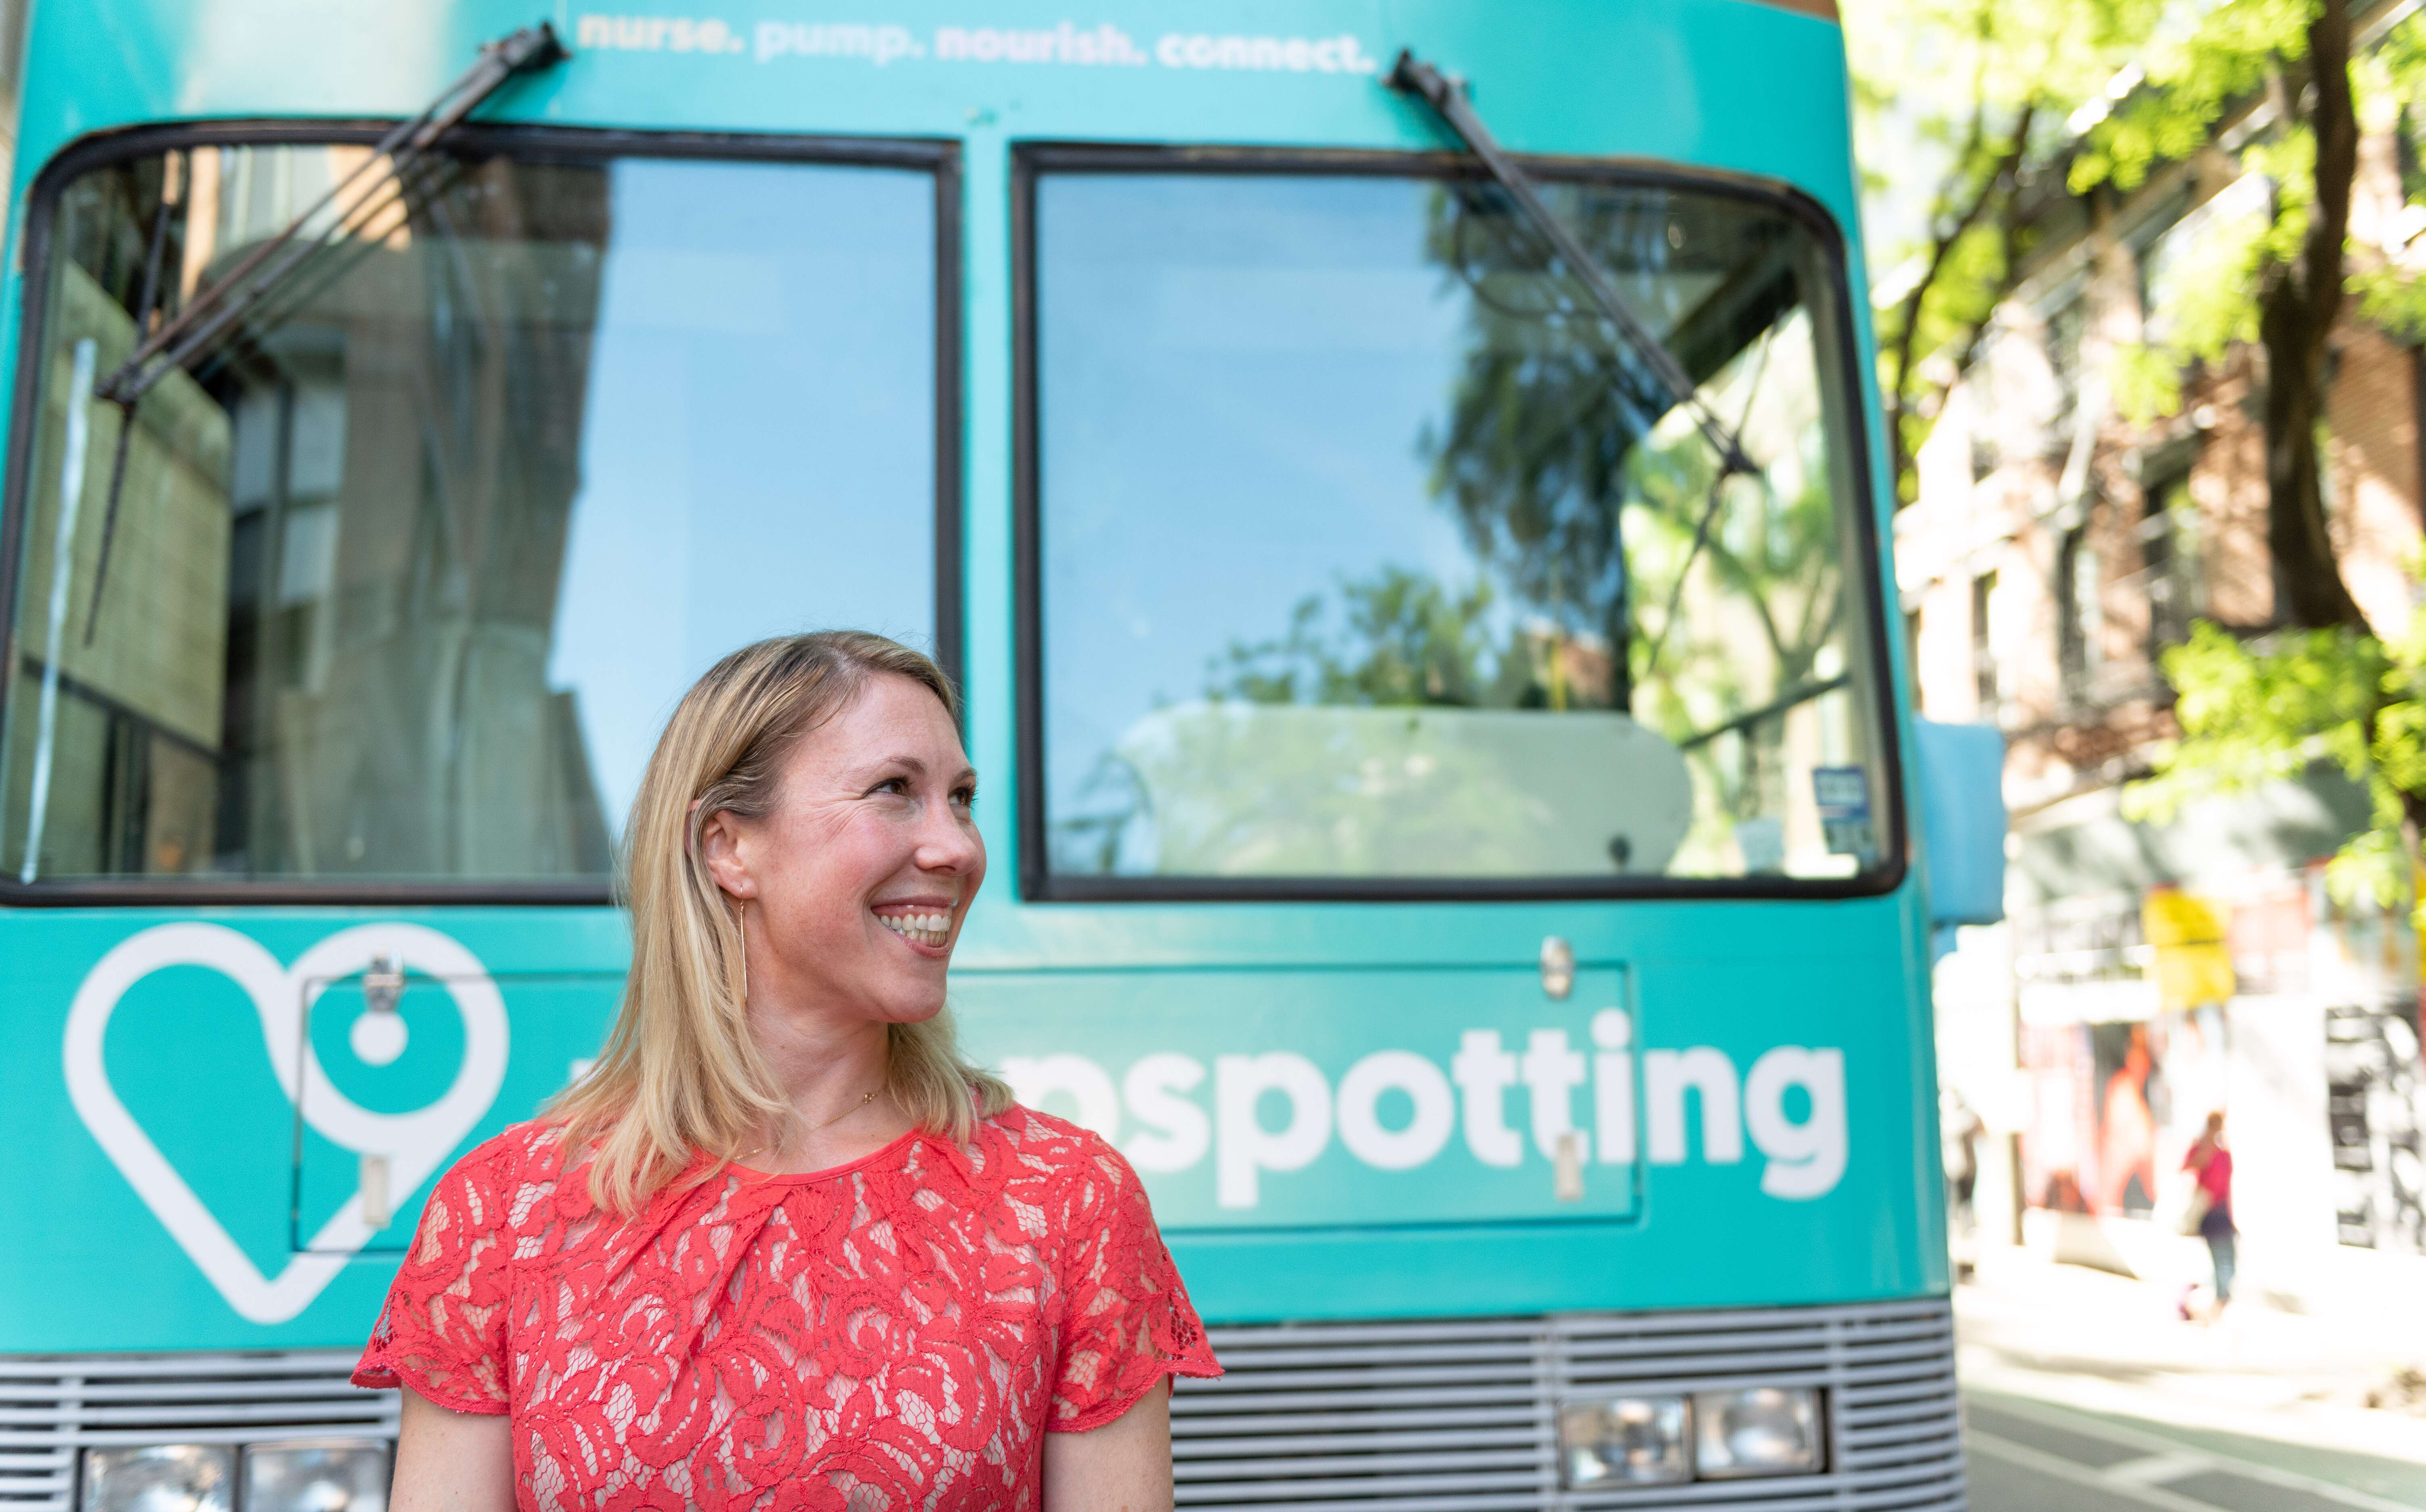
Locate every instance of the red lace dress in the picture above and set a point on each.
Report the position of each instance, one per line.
(895, 1333)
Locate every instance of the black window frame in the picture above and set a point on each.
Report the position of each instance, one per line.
(2165, 570)
(939, 157)
(1039, 883)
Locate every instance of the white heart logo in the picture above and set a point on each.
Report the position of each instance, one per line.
(414, 1143)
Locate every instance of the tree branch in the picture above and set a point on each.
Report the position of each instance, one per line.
(2297, 304)
(1898, 395)
(1998, 180)
(2335, 125)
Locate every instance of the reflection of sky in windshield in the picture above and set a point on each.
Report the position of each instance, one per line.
(1236, 377)
(758, 447)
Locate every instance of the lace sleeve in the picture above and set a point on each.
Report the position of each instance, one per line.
(1129, 1322)
(442, 1331)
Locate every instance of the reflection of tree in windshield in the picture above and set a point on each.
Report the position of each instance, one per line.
(1614, 565)
(1402, 638)
(1546, 410)
(1757, 617)
(1597, 511)
(1398, 639)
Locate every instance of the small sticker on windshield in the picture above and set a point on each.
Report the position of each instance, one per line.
(1843, 795)
(1842, 792)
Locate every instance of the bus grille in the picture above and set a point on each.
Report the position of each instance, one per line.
(1363, 1417)
(1397, 1417)
(50, 1407)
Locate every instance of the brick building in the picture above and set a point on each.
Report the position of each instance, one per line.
(2148, 974)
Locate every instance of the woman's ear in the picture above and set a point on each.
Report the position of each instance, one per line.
(725, 850)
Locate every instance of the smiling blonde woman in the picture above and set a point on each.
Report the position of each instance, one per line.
(783, 1246)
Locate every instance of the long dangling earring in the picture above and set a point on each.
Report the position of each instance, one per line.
(742, 921)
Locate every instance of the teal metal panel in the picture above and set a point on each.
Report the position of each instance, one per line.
(149, 1114)
(1725, 83)
(1823, 1158)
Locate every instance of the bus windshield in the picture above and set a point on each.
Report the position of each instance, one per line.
(1369, 552)
(401, 580)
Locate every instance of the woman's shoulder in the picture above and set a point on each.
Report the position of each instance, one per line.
(1039, 1149)
(498, 1190)
(1042, 1137)
(507, 1165)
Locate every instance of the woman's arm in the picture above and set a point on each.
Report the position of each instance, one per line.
(448, 1461)
(1124, 1466)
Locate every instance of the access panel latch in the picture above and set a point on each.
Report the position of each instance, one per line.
(1557, 967)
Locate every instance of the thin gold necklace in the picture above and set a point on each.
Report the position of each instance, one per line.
(775, 1148)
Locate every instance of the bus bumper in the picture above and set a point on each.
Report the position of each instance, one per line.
(1438, 1413)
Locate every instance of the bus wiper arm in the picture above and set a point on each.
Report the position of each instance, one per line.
(218, 309)
(1446, 97)
(1791, 698)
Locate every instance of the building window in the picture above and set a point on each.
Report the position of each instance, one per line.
(2079, 587)
(2407, 135)
(2064, 329)
(2418, 406)
(2169, 549)
(2156, 254)
(1983, 659)
(1985, 457)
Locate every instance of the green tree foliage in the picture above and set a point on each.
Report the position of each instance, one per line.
(2391, 295)
(2277, 277)
(1967, 100)
(2257, 712)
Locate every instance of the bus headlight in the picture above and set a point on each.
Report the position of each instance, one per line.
(316, 1476)
(1625, 1440)
(159, 1478)
(1760, 1430)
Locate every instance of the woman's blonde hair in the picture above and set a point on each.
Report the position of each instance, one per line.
(680, 1076)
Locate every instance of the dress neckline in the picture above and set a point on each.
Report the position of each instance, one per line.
(752, 1175)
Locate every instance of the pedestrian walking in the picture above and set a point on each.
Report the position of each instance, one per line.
(1959, 1129)
(2211, 1160)
(783, 1239)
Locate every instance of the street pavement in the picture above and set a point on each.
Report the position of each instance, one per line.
(2086, 1392)
(2030, 1455)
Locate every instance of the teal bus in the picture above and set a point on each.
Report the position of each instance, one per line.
(1398, 483)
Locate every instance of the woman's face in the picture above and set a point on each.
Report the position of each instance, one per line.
(857, 879)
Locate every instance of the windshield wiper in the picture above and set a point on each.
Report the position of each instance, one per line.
(382, 175)
(1447, 97)
(384, 179)
(1793, 697)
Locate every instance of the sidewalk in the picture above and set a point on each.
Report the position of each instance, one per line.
(2100, 1342)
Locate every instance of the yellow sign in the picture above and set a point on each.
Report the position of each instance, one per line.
(2193, 961)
